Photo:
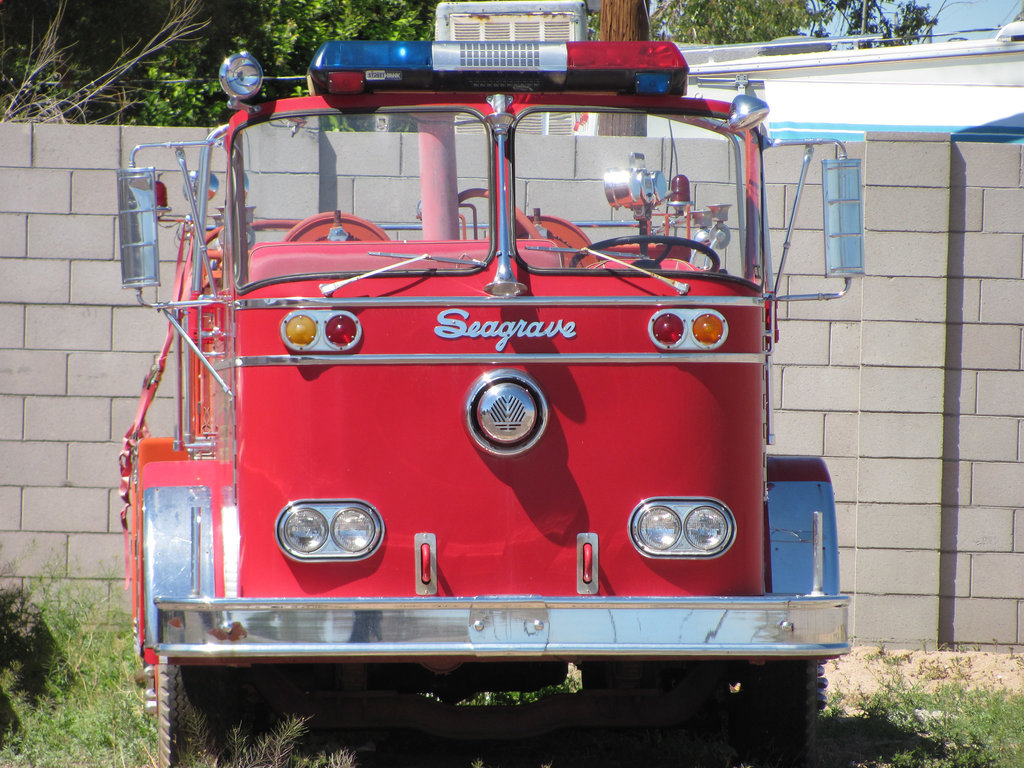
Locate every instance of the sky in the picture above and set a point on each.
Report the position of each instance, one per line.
(960, 15)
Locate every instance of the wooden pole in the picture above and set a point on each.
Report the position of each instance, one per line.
(623, 20)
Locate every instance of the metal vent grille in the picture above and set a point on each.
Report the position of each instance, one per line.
(507, 56)
(553, 27)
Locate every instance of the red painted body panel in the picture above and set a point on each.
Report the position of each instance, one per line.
(394, 435)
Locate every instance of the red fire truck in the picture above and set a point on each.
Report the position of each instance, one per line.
(473, 396)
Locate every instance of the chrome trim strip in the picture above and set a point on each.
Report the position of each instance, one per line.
(500, 359)
(774, 625)
(309, 302)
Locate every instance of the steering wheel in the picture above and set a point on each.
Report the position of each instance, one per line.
(666, 240)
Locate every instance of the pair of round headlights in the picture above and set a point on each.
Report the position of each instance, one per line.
(669, 528)
(312, 531)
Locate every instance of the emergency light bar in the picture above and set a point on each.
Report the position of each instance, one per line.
(362, 66)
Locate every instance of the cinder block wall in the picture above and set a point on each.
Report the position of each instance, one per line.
(911, 386)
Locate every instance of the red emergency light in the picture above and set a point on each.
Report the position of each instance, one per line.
(361, 66)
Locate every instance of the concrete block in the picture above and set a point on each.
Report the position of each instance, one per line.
(11, 417)
(908, 390)
(921, 299)
(982, 621)
(997, 485)
(987, 255)
(965, 209)
(138, 329)
(80, 236)
(963, 392)
(820, 388)
(783, 164)
(598, 154)
(1002, 301)
(1001, 211)
(1001, 393)
(13, 234)
(798, 432)
(96, 555)
(809, 216)
(12, 326)
(906, 164)
(10, 513)
(900, 481)
(67, 418)
(901, 435)
(31, 554)
(65, 509)
(34, 281)
(841, 434)
(902, 620)
(109, 374)
(984, 529)
(557, 162)
(843, 471)
(885, 527)
(989, 347)
(803, 342)
(16, 141)
(956, 483)
(904, 344)
(32, 462)
(846, 526)
(847, 570)
(986, 438)
(385, 200)
(997, 575)
(33, 372)
(285, 195)
(899, 209)
(278, 150)
(94, 465)
(67, 327)
(1018, 530)
(955, 572)
(906, 254)
(35, 190)
(844, 343)
(95, 192)
(988, 165)
(964, 296)
(99, 282)
(570, 200)
(76, 146)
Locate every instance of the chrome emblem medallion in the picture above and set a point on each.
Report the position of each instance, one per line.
(506, 412)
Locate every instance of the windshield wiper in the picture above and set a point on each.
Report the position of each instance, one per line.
(328, 288)
(681, 288)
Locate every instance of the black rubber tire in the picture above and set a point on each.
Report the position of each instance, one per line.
(773, 717)
(171, 703)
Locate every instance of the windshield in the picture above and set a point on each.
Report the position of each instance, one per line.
(329, 194)
(403, 190)
(665, 193)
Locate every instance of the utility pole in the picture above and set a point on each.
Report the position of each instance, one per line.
(624, 20)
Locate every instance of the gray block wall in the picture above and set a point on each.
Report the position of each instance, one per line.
(912, 386)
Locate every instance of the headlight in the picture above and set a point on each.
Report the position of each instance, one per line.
(304, 530)
(658, 528)
(354, 530)
(681, 528)
(329, 530)
(707, 528)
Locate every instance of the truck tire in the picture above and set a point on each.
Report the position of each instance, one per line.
(773, 717)
(171, 702)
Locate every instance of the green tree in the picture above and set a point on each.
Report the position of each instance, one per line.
(897, 22)
(713, 22)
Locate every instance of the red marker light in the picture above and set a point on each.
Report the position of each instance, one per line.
(343, 330)
(668, 329)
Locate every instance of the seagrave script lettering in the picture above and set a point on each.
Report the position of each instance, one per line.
(455, 324)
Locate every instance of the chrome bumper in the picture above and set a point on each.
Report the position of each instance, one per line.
(774, 625)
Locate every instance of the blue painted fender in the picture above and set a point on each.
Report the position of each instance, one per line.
(797, 487)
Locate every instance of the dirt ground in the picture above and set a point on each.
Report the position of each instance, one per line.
(862, 670)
